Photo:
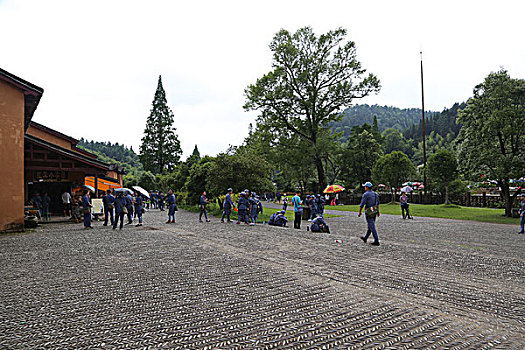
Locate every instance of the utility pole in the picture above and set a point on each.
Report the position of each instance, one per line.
(424, 137)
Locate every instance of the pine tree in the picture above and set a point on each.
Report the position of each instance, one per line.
(196, 152)
(160, 149)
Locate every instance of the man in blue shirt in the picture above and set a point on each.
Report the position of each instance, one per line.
(86, 207)
(242, 206)
(129, 206)
(120, 210)
(227, 205)
(202, 202)
(109, 204)
(139, 201)
(172, 207)
(522, 213)
(298, 210)
(370, 200)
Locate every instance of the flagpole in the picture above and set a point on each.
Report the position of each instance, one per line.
(424, 137)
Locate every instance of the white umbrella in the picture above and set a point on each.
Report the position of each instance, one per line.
(141, 190)
(407, 189)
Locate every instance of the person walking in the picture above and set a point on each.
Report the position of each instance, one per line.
(139, 204)
(203, 201)
(86, 207)
(522, 213)
(370, 201)
(120, 210)
(285, 202)
(172, 207)
(403, 200)
(66, 201)
(109, 204)
(298, 210)
(227, 206)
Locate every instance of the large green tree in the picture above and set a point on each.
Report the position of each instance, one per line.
(160, 148)
(491, 141)
(393, 169)
(312, 80)
(443, 170)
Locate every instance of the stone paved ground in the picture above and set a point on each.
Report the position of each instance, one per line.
(432, 284)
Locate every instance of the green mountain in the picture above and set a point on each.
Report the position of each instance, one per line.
(113, 154)
(443, 123)
(387, 117)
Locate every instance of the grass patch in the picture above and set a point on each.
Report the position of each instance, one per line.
(451, 211)
(214, 210)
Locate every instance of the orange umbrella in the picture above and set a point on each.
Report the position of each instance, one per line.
(334, 189)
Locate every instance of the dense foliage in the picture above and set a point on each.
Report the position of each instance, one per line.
(491, 141)
(314, 77)
(387, 117)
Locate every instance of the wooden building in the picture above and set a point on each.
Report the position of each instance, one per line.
(35, 158)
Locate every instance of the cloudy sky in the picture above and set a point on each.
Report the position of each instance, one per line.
(99, 61)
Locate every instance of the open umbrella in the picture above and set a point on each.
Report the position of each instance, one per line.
(91, 188)
(334, 189)
(407, 189)
(123, 189)
(141, 190)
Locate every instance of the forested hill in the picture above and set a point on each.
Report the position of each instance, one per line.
(113, 153)
(443, 123)
(387, 117)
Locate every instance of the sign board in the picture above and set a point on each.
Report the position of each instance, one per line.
(98, 206)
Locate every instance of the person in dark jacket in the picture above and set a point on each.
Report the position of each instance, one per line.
(120, 209)
(278, 219)
(172, 206)
(86, 207)
(319, 225)
(227, 206)
(37, 203)
(370, 200)
(46, 201)
(203, 201)
(242, 206)
(139, 203)
(320, 205)
(129, 206)
(109, 204)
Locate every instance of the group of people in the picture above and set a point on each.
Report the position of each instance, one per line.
(117, 206)
(248, 207)
(41, 203)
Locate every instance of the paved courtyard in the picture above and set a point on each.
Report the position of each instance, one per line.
(432, 284)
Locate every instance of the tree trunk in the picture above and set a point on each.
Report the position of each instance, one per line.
(393, 195)
(505, 192)
(320, 173)
(446, 195)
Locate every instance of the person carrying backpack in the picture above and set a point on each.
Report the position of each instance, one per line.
(370, 202)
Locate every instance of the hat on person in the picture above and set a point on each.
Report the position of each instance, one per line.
(522, 195)
(230, 190)
(283, 211)
(368, 184)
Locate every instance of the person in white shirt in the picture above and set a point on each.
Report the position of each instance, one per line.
(66, 200)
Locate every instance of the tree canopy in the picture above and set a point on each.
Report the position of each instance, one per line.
(312, 79)
(492, 141)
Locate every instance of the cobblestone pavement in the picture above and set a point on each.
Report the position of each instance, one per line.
(432, 284)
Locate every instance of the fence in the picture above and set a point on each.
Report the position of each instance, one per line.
(484, 200)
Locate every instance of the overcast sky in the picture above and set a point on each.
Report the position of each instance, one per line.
(99, 61)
